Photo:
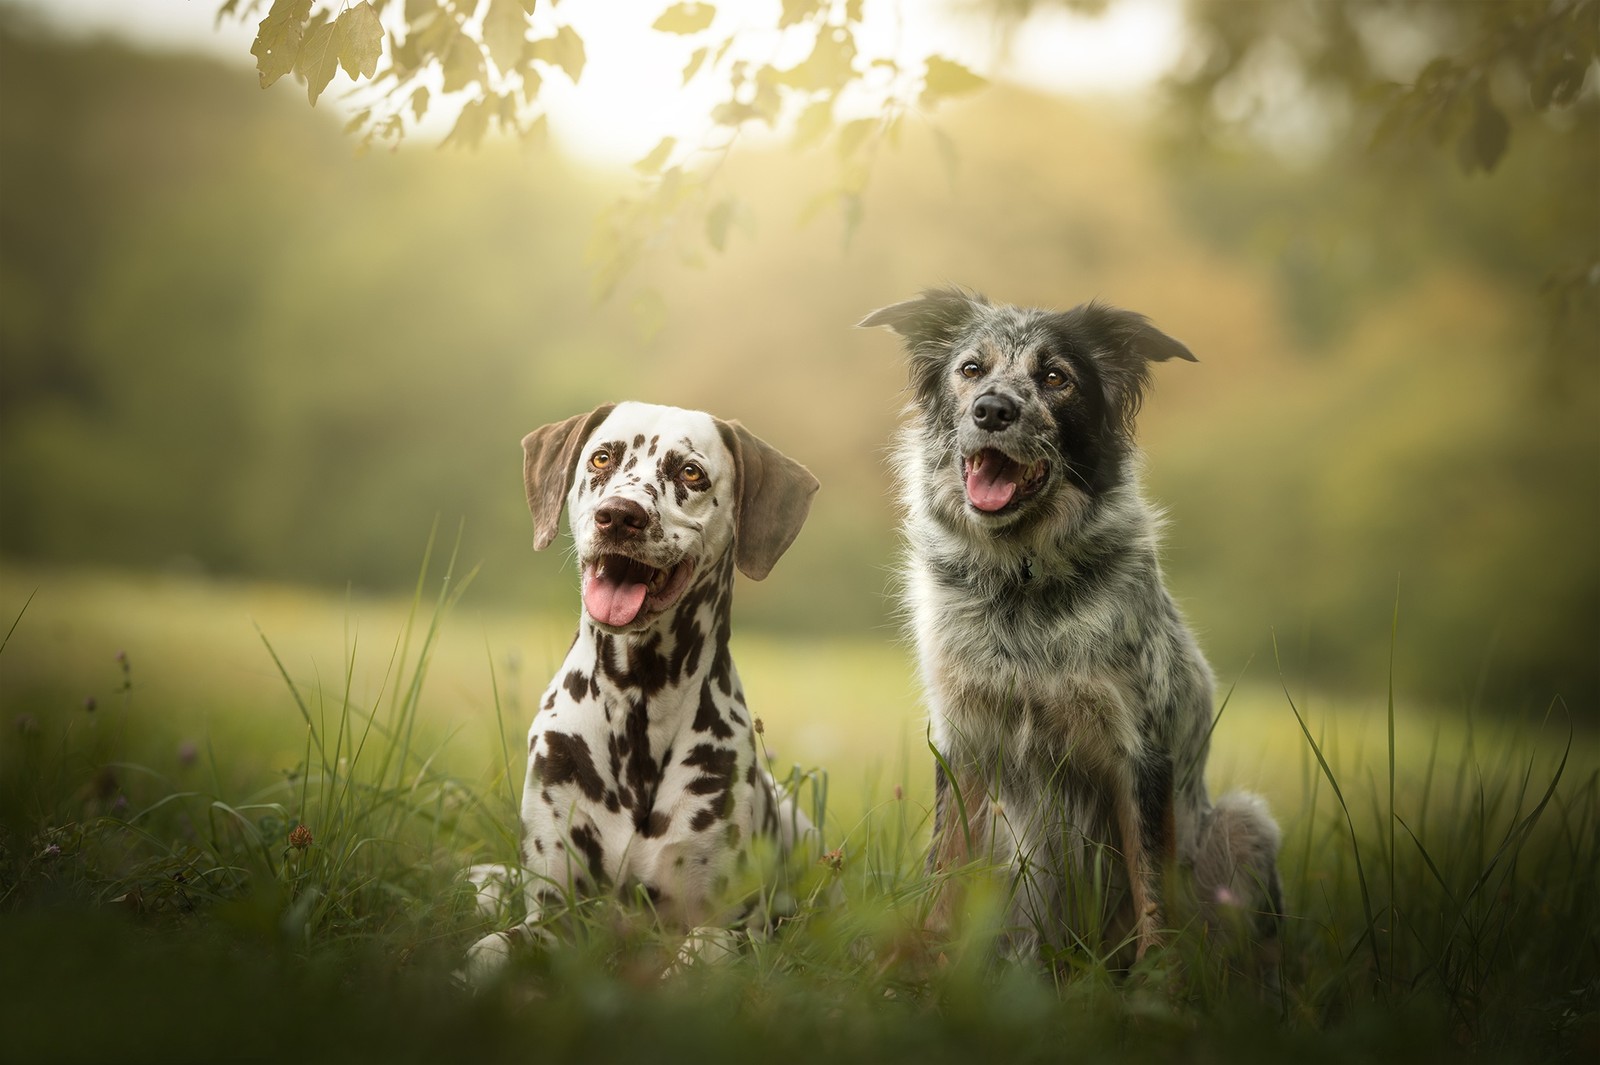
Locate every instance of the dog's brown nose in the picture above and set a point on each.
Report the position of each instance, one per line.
(622, 516)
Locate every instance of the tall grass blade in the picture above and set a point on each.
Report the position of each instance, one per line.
(1394, 633)
(1338, 794)
(17, 620)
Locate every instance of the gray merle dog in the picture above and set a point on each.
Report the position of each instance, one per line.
(1069, 704)
(642, 768)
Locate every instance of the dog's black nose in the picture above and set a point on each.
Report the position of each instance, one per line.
(621, 515)
(994, 411)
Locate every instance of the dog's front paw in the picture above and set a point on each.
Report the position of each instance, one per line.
(486, 960)
(705, 945)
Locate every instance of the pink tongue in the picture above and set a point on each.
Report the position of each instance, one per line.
(611, 601)
(987, 486)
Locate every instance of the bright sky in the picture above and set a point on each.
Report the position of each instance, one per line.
(630, 95)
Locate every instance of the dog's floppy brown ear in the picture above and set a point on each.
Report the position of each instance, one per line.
(549, 459)
(774, 498)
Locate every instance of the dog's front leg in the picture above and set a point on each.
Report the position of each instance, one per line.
(960, 833)
(1146, 820)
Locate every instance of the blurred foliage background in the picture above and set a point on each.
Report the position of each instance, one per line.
(230, 346)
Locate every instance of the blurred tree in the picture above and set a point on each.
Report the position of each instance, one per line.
(1292, 74)
(1364, 91)
(487, 59)
(224, 343)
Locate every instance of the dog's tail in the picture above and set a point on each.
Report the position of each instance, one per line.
(1236, 861)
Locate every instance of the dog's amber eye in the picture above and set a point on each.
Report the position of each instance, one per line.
(600, 460)
(970, 370)
(1055, 379)
(691, 473)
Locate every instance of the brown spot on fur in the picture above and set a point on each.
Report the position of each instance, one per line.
(567, 759)
(587, 840)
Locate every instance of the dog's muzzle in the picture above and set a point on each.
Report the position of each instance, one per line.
(620, 588)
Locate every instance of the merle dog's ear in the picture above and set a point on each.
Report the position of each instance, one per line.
(774, 497)
(549, 460)
(1127, 344)
(934, 317)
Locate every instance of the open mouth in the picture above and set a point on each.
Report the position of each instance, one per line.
(618, 590)
(996, 481)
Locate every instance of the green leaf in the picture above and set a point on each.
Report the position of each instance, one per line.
(505, 29)
(945, 78)
(696, 61)
(419, 102)
(318, 59)
(470, 125)
(463, 63)
(828, 68)
(732, 113)
(359, 35)
(277, 43)
(531, 83)
(652, 163)
(685, 18)
(1558, 82)
(564, 50)
(719, 219)
(813, 123)
(1481, 147)
(797, 11)
(536, 134)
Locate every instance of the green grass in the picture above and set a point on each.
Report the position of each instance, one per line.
(1441, 868)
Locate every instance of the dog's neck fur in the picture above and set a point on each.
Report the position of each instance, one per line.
(658, 675)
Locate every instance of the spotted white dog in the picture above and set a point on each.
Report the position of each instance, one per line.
(642, 768)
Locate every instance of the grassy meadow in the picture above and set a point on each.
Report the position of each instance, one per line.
(165, 737)
(240, 367)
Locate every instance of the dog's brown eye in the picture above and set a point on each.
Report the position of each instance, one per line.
(970, 370)
(1055, 379)
(600, 460)
(691, 473)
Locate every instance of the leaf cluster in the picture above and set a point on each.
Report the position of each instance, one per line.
(682, 203)
(1545, 50)
(313, 46)
(485, 58)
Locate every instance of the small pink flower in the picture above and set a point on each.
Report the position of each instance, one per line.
(300, 837)
(899, 793)
(188, 752)
(1224, 897)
